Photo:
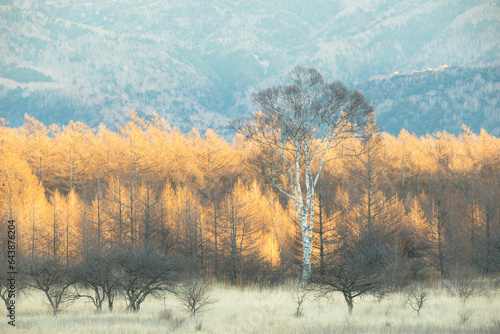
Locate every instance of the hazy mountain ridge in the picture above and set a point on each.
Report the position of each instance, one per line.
(437, 99)
(197, 62)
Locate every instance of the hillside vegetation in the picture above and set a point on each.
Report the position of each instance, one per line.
(196, 63)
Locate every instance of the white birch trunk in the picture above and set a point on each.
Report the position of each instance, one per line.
(306, 251)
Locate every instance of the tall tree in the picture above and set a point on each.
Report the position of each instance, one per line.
(189, 218)
(71, 221)
(215, 161)
(415, 237)
(490, 197)
(21, 199)
(135, 162)
(367, 245)
(72, 154)
(331, 203)
(239, 229)
(38, 149)
(301, 122)
(115, 210)
(167, 216)
(438, 190)
(55, 228)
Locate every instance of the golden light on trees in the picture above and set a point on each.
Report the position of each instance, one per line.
(215, 204)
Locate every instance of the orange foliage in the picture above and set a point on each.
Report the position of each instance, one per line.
(75, 187)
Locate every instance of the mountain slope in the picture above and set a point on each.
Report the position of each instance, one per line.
(437, 99)
(197, 62)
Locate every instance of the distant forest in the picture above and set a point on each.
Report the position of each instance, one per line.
(211, 205)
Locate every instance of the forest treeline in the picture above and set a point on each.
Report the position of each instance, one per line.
(433, 201)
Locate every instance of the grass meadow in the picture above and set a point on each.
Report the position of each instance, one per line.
(253, 310)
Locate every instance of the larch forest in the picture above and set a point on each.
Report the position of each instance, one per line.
(210, 206)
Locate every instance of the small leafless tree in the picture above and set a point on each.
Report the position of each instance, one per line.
(358, 268)
(352, 280)
(96, 273)
(53, 279)
(144, 272)
(195, 295)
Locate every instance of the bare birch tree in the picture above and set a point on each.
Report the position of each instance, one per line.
(302, 122)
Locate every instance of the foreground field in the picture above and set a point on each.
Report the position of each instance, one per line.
(251, 310)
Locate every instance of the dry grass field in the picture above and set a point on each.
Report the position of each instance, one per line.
(250, 310)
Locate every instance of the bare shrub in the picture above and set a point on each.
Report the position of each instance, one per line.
(195, 295)
(299, 296)
(495, 326)
(166, 315)
(416, 296)
(464, 318)
(463, 284)
(177, 322)
(198, 326)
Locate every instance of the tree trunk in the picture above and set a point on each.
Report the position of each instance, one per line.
(33, 233)
(147, 218)
(99, 223)
(306, 252)
(119, 213)
(54, 233)
(52, 304)
(321, 240)
(216, 246)
(440, 241)
(306, 271)
(350, 304)
(132, 240)
(110, 297)
(488, 243)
